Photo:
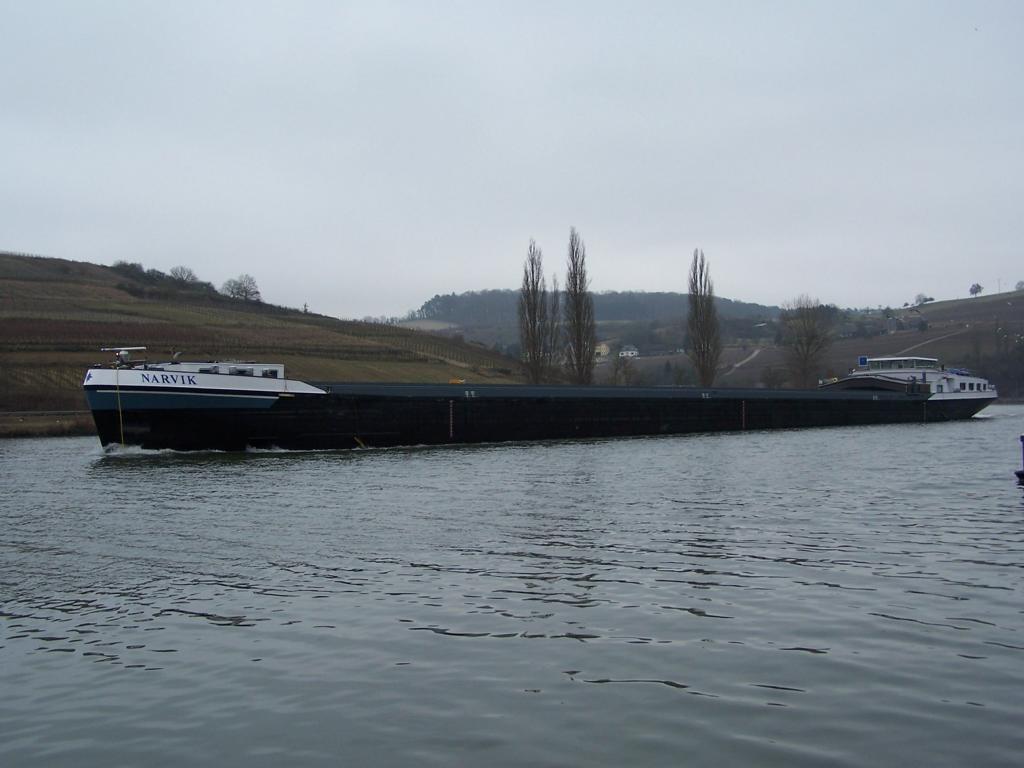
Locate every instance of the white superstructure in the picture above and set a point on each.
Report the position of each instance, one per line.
(925, 373)
(201, 377)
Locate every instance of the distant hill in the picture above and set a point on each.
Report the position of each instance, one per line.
(56, 314)
(985, 333)
(491, 316)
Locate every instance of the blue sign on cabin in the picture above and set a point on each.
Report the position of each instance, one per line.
(862, 360)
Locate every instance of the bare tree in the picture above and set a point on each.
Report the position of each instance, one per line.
(183, 274)
(807, 335)
(555, 326)
(580, 327)
(772, 378)
(976, 289)
(704, 343)
(623, 372)
(538, 317)
(242, 287)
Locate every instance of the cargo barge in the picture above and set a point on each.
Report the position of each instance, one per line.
(233, 406)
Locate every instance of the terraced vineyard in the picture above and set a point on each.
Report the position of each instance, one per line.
(56, 314)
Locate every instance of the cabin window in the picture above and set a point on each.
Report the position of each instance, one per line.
(270, 373)
(963, 386)
(938, 388)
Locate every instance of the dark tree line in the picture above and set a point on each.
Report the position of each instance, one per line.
(182, 278)
(499, 306)
(490, 307)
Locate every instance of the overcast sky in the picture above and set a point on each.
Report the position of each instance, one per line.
(365, 156)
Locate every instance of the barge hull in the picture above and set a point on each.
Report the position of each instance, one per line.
(350, 416)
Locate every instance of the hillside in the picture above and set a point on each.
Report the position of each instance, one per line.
(491, 316)
(985, 334)
(56, 314)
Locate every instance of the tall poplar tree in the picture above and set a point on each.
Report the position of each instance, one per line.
(538, 318)
(704, 343)
(580, 328)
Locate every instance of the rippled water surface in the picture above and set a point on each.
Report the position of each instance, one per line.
(822, 597)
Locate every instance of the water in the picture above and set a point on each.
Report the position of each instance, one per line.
(845, 597)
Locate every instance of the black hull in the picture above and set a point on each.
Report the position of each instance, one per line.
(391, 415)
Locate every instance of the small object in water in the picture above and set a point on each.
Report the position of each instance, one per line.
(1020, 472)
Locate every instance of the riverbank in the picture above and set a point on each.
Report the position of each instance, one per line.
(46, 423)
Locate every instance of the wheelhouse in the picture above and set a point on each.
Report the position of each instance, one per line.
(902, 363)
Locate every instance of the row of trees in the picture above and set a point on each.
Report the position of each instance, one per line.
(549, 336)
(807, 330)
(552, 336)
(498, 307)
(242, 287)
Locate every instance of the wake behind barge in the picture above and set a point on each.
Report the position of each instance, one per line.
(233, 406)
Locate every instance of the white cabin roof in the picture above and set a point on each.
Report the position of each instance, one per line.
(903, 359)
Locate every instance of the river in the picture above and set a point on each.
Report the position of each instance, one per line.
(845, 596)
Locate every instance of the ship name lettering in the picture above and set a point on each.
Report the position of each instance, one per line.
(168, 378)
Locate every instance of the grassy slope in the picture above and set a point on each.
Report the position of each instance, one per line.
(56, 314)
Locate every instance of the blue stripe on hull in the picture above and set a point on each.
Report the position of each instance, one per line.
(169, 399)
